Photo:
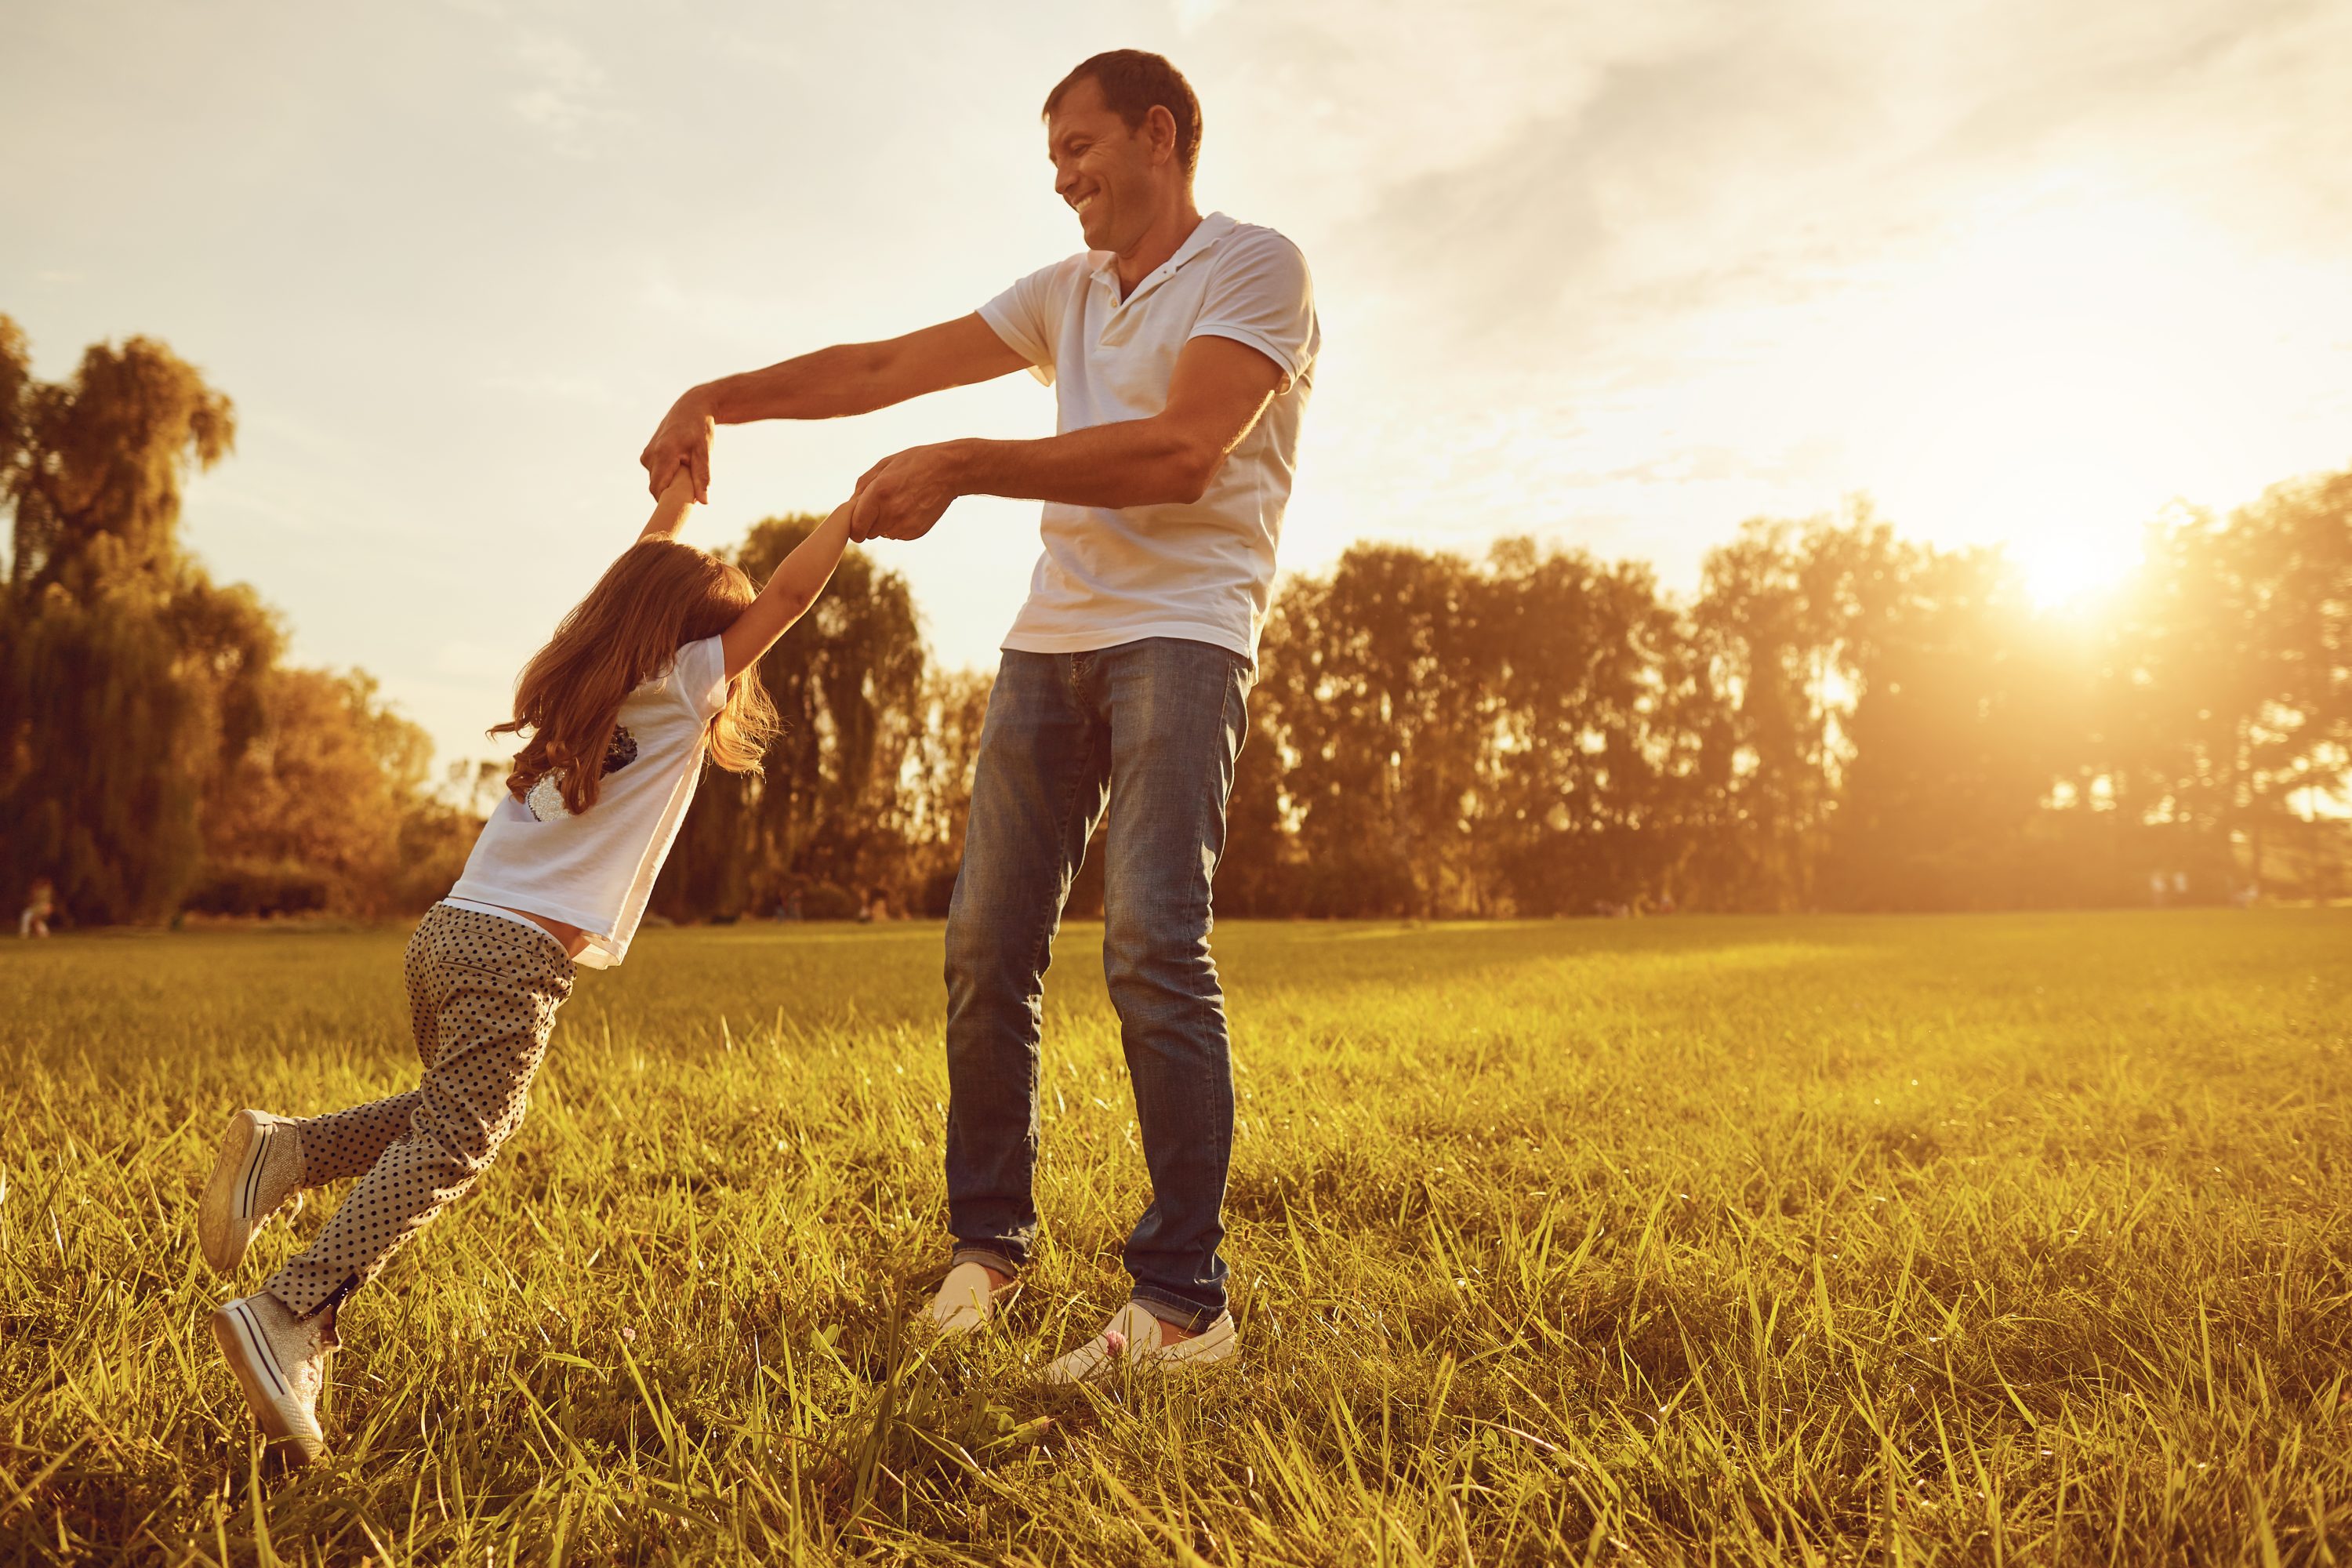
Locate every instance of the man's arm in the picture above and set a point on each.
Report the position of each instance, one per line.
(848, 378)
(1214, 398)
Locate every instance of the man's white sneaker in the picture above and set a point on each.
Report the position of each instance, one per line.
(1135, 1338)
(965, 1300)
(260, 1166)
(281, 1362)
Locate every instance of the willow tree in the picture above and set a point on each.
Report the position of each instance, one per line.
(833, 805)
(127, 678)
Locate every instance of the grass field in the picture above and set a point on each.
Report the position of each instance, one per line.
(1970, 1240)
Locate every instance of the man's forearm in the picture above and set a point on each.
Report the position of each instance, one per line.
(1219, 389)
(1134, 462)
(830, 384)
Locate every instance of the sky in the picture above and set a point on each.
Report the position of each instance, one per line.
(1617, 276)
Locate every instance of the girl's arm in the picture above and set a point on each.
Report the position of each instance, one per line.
(669, 513)
(789, 593)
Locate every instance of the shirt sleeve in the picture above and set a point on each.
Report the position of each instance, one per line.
(1028, 317)
(702, 678)
(1262, 296)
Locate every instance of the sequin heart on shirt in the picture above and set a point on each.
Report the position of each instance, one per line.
(545, 800)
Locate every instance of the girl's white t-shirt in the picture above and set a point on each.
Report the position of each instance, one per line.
(595, 870)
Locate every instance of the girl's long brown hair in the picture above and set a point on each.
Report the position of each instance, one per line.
(658, 597)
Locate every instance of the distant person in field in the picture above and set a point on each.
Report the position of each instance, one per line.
(40, 903)
(1182, 350)
(649, 677)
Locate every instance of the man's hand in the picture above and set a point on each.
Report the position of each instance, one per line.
(903, 495)
(683, 441)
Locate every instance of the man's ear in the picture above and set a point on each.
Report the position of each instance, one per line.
(1160, 128)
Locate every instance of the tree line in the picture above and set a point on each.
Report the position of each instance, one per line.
(157, 755)
(1836, 719)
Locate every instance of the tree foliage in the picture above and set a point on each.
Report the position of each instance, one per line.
(151, 745)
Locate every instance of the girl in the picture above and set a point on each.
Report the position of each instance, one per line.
(648, 676)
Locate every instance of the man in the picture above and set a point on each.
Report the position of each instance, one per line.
(1182, 350)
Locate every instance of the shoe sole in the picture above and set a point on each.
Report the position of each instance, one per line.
(246, 1350)
(225, 1226)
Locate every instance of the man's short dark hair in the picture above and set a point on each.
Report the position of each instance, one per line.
(1133, 81)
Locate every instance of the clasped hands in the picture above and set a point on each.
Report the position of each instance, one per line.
(898, 497)
(904, 494)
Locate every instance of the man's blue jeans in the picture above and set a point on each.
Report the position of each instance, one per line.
(1150, 728)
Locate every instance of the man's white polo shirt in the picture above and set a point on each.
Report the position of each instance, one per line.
(1203, 570)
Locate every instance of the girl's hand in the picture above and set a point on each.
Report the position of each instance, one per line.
(902, 496)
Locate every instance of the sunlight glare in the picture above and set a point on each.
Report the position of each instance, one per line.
(2067, 569)
(2063, 370)
(2063, 518)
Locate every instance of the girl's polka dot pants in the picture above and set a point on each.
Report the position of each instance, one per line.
(482, 994)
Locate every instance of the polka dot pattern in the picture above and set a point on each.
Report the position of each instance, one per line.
(482, 995)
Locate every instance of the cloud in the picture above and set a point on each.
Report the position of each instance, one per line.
(1191, 16)
(563, 101)
(1558, 179)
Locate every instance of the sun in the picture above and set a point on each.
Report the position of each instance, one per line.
(2061, 516)
(2061, 367)
(2065, 514)
(2065, 570)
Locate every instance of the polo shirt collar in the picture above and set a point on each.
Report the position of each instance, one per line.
(1212, 228)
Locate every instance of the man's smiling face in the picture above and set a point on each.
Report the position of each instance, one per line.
(1109, 173)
